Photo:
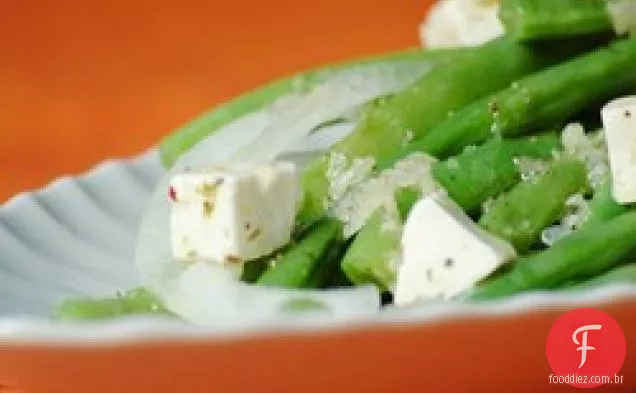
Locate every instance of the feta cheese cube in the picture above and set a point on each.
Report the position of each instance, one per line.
(455, 23)
(444, 252)
(235, 214)
(619, 122)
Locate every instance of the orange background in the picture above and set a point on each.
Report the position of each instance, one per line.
(84, 80)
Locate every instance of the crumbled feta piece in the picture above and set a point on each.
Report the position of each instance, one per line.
(444, 252)
(577, 211)
(619, 121)
(233, 215)
(454, 23)
(342, 175)
(589, 148)
(355, 206)
(622, 15)
(531, 168)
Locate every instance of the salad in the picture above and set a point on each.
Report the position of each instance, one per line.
(496, 161)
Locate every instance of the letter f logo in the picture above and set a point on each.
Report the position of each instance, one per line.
(583, 344)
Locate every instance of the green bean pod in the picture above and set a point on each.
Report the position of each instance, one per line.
(540, 100)
(520, 215)
(479, 174)
(540, 19)
(298, 263)
(582, 255)
(387, 125)
(181, 140)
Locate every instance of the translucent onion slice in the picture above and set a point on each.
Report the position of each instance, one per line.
(341, 93)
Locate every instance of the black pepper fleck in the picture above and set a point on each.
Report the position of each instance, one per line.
(628, 113)
(449, 262)
(493, 107)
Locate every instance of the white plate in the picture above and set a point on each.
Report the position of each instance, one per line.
(76, 238)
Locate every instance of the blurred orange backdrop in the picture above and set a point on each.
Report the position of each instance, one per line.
(81, 81)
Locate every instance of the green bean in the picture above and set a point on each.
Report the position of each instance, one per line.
(373, 255)
(625, 274)
(580, 255)
(135, 302)
(296, 265)
(339, 280)
(520, 215)
(374, 251)
(184, 138)
(405, 198)
(387, 125)
(537, 19)
(603, 206)
(470, 179)
(479, 174)
(539, 100)
(327, 269)
(252, 270)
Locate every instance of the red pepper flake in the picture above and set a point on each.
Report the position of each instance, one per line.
(172, 194)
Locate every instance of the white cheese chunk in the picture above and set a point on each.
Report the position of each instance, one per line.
(622, 15)
(233, 215)
(456, 23)
(444, 252)
(619, 121)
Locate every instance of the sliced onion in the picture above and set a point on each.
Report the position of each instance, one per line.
(285, 124)
(340, 93)
(211, 294)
